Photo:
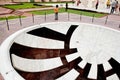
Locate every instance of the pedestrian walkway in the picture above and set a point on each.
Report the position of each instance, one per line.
(35, 9)
(4, 11)
(113, 17)
(112, 21)
(24, 12)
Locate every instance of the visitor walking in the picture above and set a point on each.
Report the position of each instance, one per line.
(108, 4)
(117, 7)
(113, 6)
(78, 2)
(56, 12)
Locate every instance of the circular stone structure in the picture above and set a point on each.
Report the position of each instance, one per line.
(61, 51)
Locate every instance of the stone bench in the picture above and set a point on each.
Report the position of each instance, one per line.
(35, 65)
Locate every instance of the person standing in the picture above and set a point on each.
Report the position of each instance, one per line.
(96, 5)
(119, 8)
(113, 5)
(78, 2)
(66, 7)
(56, 12)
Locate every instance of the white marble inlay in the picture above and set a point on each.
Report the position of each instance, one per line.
(72, 57)
(107, 66)
(82, 64)
(93, 70)
(35, 65)
(113, 77)
(71, 75)
(96, 41)
(38, 42)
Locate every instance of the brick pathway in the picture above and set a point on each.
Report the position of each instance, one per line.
(8, 12)
(4, 11)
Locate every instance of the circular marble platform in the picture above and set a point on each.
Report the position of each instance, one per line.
(61, 51)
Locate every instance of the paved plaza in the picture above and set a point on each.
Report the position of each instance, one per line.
(111, 21)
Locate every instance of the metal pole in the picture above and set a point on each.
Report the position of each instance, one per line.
(33, 17)
(106, 19)
(68, 16)
(93, 18)
(45, 16)
(7, 23)
(20, 20)
(81, 16)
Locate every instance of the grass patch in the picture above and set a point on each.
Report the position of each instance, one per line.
(87, 13)
(30, 5)
(61, 10)
(56, 2)
(23, 6)
(10, 17)
(42, 12)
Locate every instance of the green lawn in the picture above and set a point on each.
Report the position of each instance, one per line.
(23, 6)
(56, 2)
(29, 5)
(85, 13)
(10, 17)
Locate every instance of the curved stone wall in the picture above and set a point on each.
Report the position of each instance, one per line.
(61, 51)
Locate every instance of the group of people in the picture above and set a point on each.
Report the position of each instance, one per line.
(115, 6)
(110, 3)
